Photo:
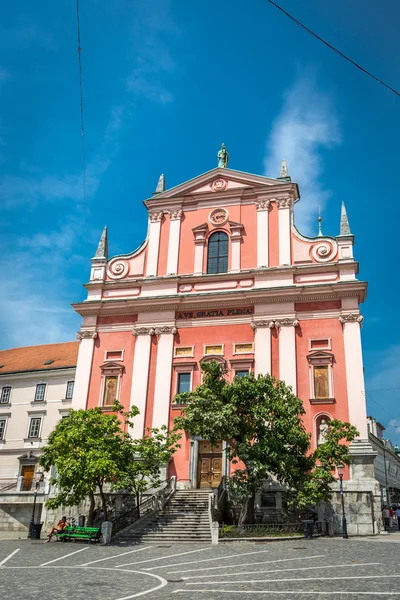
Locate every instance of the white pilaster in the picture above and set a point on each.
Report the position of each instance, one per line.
(262, 232)
(140, 375)
(83, 368)
(236, 240)
(355, 372)
(284, 230)
(173, 243)
(287, 351)
(262, 346)
(154, 243)
(162, 389)
(199, 233)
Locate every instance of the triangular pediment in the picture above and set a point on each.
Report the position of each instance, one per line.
(220, 180)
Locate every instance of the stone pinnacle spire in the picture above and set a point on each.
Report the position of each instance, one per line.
(284, 174)
(344, 222)
(102, 248)
(160, 185)
(320, 234)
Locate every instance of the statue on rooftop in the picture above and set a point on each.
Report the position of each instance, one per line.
(223, 157)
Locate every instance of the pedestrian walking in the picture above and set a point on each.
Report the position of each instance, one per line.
(398, 515)
(386, 518)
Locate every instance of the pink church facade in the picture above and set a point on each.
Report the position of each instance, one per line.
(224, 274)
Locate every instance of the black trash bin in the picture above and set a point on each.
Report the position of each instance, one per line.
(36, 529)
(81, 520)
(308, 526)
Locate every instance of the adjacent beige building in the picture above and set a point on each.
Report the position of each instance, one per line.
(36, 388)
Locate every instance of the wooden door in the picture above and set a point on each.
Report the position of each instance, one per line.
(27, 473)
(216, 471)
(205, 472)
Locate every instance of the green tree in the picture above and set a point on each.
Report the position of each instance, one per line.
(261, 419)
(90, 449)
(148, 454)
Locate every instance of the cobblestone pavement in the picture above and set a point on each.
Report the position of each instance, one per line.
(333, 569)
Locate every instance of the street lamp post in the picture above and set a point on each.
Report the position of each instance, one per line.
(340, 470)
(35, 493)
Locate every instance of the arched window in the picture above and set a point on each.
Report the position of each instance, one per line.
(217, 258)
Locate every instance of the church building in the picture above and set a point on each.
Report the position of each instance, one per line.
(225, 275)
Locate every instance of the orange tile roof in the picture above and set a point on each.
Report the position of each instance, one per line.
(33, 358)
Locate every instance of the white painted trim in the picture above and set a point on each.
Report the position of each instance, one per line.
(35, 416)
(355, 377)
(262, 238)
(153, 249)
(6, 385)
(287, 356)
(45, 383)
(82, 375)
(117, 350)
(198, 259)
(262, 351)
(182, 369)
(140, 375)
(4, 418)
(235, 255)
(102, 384)
(173, 246)
(162, 388)
(284, 235)
(191, 355)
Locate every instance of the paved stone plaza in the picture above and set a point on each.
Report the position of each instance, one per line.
(298, 569)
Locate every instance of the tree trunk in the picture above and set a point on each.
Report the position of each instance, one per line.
(247, 512)
(103, 501)
(91, 509)
(138, 505)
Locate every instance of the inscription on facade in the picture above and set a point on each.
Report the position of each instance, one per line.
(220, 312)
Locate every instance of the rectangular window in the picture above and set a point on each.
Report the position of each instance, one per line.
(2, 428)
(110, 390)
(183, 382)
(321, 381)
(242, 373)
(320, 344)
(34, 427)
(5, 395)
(40, 392)
(70, 390)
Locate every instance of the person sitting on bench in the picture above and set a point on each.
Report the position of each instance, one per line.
(61, 525)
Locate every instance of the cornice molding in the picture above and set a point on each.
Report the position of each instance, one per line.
(286, 322)
(165, 329)
(261, 323)
(351, 318)
(86, 335)
(143, 331)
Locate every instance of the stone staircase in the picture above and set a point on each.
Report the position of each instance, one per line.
(183, 519)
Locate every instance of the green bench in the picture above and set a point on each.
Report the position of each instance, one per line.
(90, 534)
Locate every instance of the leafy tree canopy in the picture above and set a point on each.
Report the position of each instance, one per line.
(261, 419)
(90, 448)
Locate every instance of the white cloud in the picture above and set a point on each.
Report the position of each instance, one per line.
(306, 125)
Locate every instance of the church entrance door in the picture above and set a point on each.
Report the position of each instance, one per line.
(209, 464)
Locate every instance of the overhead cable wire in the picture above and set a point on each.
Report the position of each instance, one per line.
(318, 37)
(82, 120)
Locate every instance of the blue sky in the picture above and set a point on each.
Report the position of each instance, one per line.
(165, 82)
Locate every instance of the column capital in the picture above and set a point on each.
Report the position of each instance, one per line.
(351, 318)
(156, 216)
(262, 204)
(165, 329)
(85, 335)
(285, 202)
(143, 331)
(262, 323)
(286, 323)
(175, 214)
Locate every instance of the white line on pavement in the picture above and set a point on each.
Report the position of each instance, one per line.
(205, 560)
(141, 562)
(64, 556)
(280, 570)
(288, 592)
(313, 580)
(266, 562)
(115, 556)
(3, 562)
